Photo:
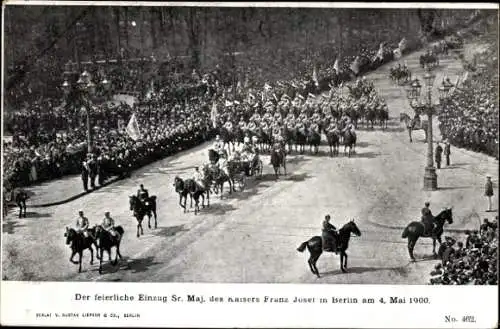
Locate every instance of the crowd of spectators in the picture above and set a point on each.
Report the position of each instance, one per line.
(470, 262)
(174, 113)
(470, 119)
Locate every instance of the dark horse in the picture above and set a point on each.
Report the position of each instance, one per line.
(106, 241)
(79, 243)
(333, 141)
(20, 196)
(189, 186)
(142, 209)
(278, 159)
(415, 230)
(314, 140)
(349, 142)
(183, 190)
(315, 246)
(218, 177)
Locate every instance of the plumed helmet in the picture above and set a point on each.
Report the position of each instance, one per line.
(427, 203)
(327, 217)
(246, 140)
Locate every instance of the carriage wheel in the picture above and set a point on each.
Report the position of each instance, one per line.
(242, 181)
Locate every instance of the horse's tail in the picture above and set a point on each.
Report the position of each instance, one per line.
(405, 232)
(302, 247)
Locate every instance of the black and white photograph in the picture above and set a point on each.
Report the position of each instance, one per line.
(250, 143)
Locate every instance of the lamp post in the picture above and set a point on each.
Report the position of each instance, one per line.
(426, 105)
(83, 91)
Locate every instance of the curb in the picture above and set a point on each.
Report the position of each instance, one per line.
(74, 197)
(454, 230)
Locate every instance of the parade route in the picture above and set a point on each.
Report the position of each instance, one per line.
(252, 235)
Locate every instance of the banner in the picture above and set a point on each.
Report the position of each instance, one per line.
(355, 65)
(133, 128)
(397, 53)
(336, 66)
(213, 115)
(315, 76)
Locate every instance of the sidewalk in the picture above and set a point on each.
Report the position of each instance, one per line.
(59, 191)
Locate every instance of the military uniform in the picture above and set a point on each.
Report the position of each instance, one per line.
(428, 220)
(143, 194)
(108, 224)
(329, 234)
(82, 226)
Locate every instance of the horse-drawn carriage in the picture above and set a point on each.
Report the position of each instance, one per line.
(429, 60)
(399, 75)
(238, 167)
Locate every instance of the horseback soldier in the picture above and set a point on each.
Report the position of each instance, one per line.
(314, 126)
(242, 124)
(229, 126)
(427, 219)
(198, 178)
(329, 234)
(108, 224)
(332, 126)
(217, 144)
(252, 126)
(82, 225)
(142, 194)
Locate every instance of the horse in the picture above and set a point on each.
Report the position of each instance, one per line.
(382, 115)
(79, 243)
(106, 241)
(278, 159)
(415, 230)
(181, 188)
(429, 60)
(227, 138)
(20, 196)
(289, 136)
(315, 246)
(218, 177)
(412, 124)
(142, 209)
(370, 117)
(333, 141)
(314, 140)
(349, 141)
(301, 138)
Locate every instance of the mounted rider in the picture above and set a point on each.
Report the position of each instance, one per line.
(228, 126)
(329, 235)
(242, 124)
(217, 147)
(108, 224)
(332, 127)
(82, 225)
(142, 194)
(198, 178)
(427, 219)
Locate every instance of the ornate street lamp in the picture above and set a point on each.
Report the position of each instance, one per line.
(426, 105)
(84, 91)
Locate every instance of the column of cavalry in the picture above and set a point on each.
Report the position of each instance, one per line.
(279, 120)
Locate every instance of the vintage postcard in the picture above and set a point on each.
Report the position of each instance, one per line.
(249, 164)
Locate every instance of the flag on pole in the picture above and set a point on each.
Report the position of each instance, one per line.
(315, 76)
(213, 115)
(355, 65)
(133, 128)
(336, 65)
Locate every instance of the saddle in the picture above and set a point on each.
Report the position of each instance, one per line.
(330, 241)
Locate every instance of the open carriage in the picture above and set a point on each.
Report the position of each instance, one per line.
(240, 167)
